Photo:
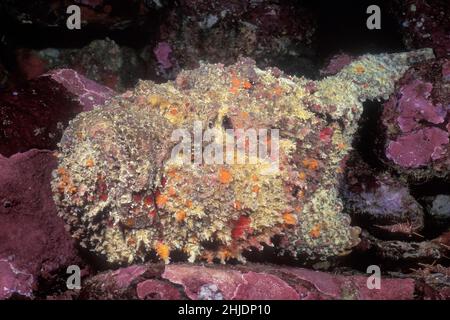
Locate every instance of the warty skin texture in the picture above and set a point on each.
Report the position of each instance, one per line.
(124, 197)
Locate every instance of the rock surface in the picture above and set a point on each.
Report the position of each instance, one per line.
(33, 240)
(35, 115)
(245, 282)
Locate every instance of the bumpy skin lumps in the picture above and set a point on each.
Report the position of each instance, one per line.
(124, 196)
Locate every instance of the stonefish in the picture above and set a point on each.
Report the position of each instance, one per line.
(126, 196)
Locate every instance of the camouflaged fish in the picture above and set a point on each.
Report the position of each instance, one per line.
(126, 195)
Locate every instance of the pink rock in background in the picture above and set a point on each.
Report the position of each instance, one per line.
(125, 276)
(35, 115)
(33, 239)
(256, 282)
(87, 92)
(419, 148)
(415, 106)
(32, 236)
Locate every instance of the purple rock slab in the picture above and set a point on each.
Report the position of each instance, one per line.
(32, 237)
(35, 115)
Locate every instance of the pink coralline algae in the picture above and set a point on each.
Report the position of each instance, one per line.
(258, 282)
(418, 148)
(415, 106)
(415, 119)
(258, 285)
(334, 287)
(326, 134)
(194, 278)
(249, 282)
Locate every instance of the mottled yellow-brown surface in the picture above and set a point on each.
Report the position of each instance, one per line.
(124, 196)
